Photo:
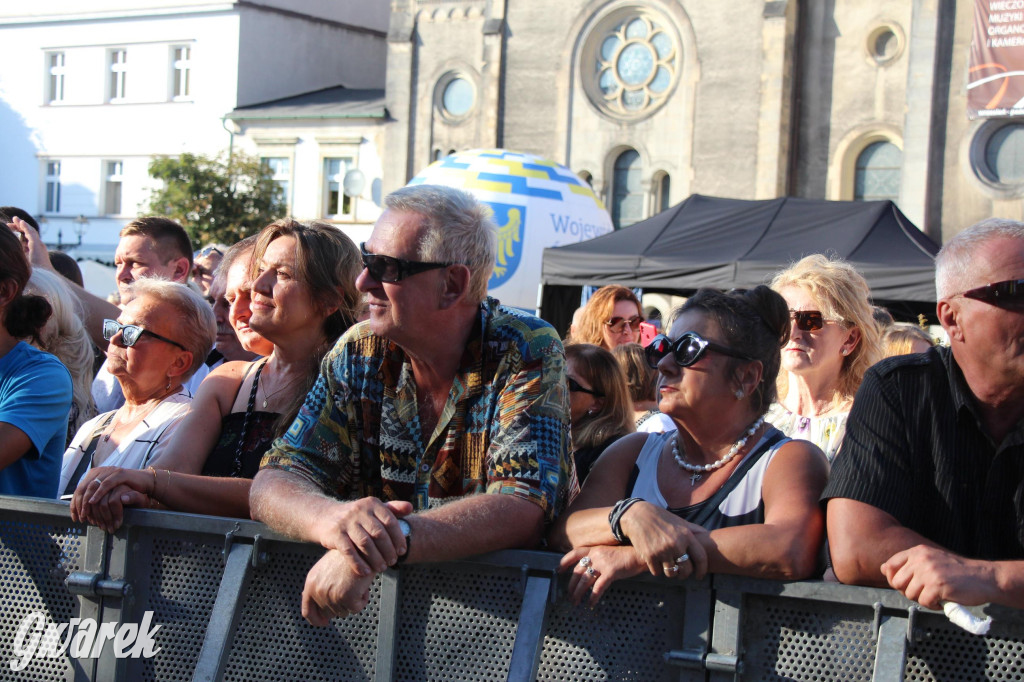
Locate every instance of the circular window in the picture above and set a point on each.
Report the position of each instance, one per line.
(458, 97)
(630, 63)
(884, 44)
(1004, 154)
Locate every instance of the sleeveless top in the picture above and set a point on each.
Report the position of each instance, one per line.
(244, 438)
(742, 506)
(826, 432)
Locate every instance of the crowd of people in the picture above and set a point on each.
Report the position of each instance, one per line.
(374, 399)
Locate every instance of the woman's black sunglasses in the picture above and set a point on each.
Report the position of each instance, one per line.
(574, 387)
(391, 270)
(686, 350)
(808, 320)
(131, 333)
(1008, 294)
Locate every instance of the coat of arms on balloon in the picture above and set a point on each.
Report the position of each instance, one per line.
(537, 204)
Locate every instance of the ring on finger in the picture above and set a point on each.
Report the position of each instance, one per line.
(683, 558)
(585, 562)
(591, 572)
(671, 570)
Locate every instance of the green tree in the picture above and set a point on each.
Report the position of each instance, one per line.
(216, 198)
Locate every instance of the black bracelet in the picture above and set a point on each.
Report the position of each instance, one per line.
(615, 517)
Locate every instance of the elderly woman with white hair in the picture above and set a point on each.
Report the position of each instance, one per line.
(158, 341)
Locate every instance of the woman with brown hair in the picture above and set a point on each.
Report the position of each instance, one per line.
(642, 380)
(599, 406)
(302, 296)
(610, 318)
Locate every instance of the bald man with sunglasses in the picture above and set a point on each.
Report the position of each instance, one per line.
(438, 428)
(926, 493)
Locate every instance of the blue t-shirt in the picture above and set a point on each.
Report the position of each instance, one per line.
(35, 396)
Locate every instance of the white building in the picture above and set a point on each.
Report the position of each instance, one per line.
(90, 92)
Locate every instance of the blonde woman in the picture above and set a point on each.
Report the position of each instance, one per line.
(833, 340)
(600, 409)
(64, 335)
(904, 339)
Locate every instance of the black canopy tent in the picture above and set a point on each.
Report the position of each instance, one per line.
(727, 243)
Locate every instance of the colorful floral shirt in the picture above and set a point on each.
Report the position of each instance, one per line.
(504, 428)
(826, 432)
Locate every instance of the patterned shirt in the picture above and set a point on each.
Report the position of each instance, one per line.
(504, 428)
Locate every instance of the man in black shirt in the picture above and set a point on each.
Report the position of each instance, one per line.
(927, 493)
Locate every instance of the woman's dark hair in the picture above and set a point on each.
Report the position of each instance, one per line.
(24, 316)
(754, 322)
(600, 368)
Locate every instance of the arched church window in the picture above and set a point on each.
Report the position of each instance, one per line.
(627, 191)
(631, 63)
(661, 191)
(877, 172)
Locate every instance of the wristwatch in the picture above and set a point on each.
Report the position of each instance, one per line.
(407, 532)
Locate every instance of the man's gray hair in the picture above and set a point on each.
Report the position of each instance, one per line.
(197, 328)
(953, 264)
(457, 229)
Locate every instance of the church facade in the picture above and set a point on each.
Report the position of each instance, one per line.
(654, 100)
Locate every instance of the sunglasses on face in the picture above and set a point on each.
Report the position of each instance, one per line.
(686, 350)
(574, 387)
(809, 320)
(618, 324)
(130, 333)
(388, 269)
(1008, 294)
(202, 253)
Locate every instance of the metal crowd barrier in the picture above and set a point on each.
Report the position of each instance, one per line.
(225, 596)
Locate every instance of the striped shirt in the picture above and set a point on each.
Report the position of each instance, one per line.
(915, 448)
(504, 428)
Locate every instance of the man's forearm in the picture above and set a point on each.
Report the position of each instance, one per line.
(289, 504)
(475, 525)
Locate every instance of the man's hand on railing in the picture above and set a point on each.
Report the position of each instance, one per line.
(333, 590)
(366, 533)
(931, 576)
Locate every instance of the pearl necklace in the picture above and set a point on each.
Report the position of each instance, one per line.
(697, 470)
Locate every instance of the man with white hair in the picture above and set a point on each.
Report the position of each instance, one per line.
(927, 493)
(443, 402)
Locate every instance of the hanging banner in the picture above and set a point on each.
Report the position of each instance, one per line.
(995, 86)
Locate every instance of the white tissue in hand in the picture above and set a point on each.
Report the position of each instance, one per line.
(958, 615)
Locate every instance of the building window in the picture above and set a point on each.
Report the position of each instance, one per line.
(280, 171)
(118, 74)
(627, 192)
(336, 202)
(181, 64)
(631, 63)
(1004, 155)
(55, 89)
(661, 192)
(112, 187)
(455, 96)
(52, 187)
(877, 172)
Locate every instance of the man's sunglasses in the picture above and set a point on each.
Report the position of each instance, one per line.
(809, 320)
(202, 253)
(686, 350)
(618, 324)
(1008, 294)
(388, 269)
(130, 333)
(574, 387)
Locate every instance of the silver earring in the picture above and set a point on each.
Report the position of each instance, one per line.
(846, 351)
(740, 394)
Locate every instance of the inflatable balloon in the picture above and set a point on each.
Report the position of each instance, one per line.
(536, 203)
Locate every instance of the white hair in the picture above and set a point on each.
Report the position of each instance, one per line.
(198, 327)
(953, 264)
(64, 336)
(457, 229)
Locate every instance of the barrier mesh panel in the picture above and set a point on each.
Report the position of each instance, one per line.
(945, 652)
(34, 561)
(624, 637)
(796, 639)
(183, 577)
(455, 625)
(273, 642)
